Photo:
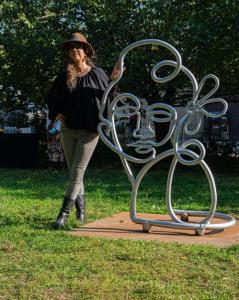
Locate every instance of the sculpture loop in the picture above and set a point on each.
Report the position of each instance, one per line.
(144, 145)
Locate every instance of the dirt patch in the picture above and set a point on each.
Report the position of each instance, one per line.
(119, 226)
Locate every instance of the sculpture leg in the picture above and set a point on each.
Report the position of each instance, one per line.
(147, 227)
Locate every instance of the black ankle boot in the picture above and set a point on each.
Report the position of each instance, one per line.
(80, 208)
(67, 205)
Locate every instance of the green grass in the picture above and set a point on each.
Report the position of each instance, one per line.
(37, 262)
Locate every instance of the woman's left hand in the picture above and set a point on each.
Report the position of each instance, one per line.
(116, 71)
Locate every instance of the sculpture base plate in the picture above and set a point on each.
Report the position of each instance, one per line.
(119, 226)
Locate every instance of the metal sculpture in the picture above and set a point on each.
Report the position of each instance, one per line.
(126, 105)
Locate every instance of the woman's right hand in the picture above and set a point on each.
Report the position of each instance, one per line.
(61, 118)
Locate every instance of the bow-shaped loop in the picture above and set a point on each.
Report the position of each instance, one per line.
(197, 107)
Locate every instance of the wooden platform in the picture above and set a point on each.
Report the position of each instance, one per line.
(119, 226)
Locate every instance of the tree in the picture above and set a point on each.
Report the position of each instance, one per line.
(205, 33)
(31, 32)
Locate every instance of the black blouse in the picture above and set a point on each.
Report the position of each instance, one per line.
(80, 106)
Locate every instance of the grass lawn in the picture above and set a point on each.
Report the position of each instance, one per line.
(37, 262)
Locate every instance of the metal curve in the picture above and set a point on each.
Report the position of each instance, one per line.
(155, 68)
(176, 223)
(211, 182)
(127, 105)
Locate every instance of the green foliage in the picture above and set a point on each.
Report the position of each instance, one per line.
(205, 33)
(30, 35)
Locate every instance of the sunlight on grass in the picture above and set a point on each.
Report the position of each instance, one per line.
(37, 262)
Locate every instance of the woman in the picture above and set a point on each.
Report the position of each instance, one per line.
(74, 100)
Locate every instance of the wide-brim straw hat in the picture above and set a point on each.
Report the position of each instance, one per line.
(77, 37)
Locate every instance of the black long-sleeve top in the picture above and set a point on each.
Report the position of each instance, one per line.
(79, 106)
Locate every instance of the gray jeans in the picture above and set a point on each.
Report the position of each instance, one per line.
(78, 147)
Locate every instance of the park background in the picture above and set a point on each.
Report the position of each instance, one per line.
(204, 32)
(38, 263)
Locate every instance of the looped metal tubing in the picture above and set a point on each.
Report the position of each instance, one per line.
(128, 105)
